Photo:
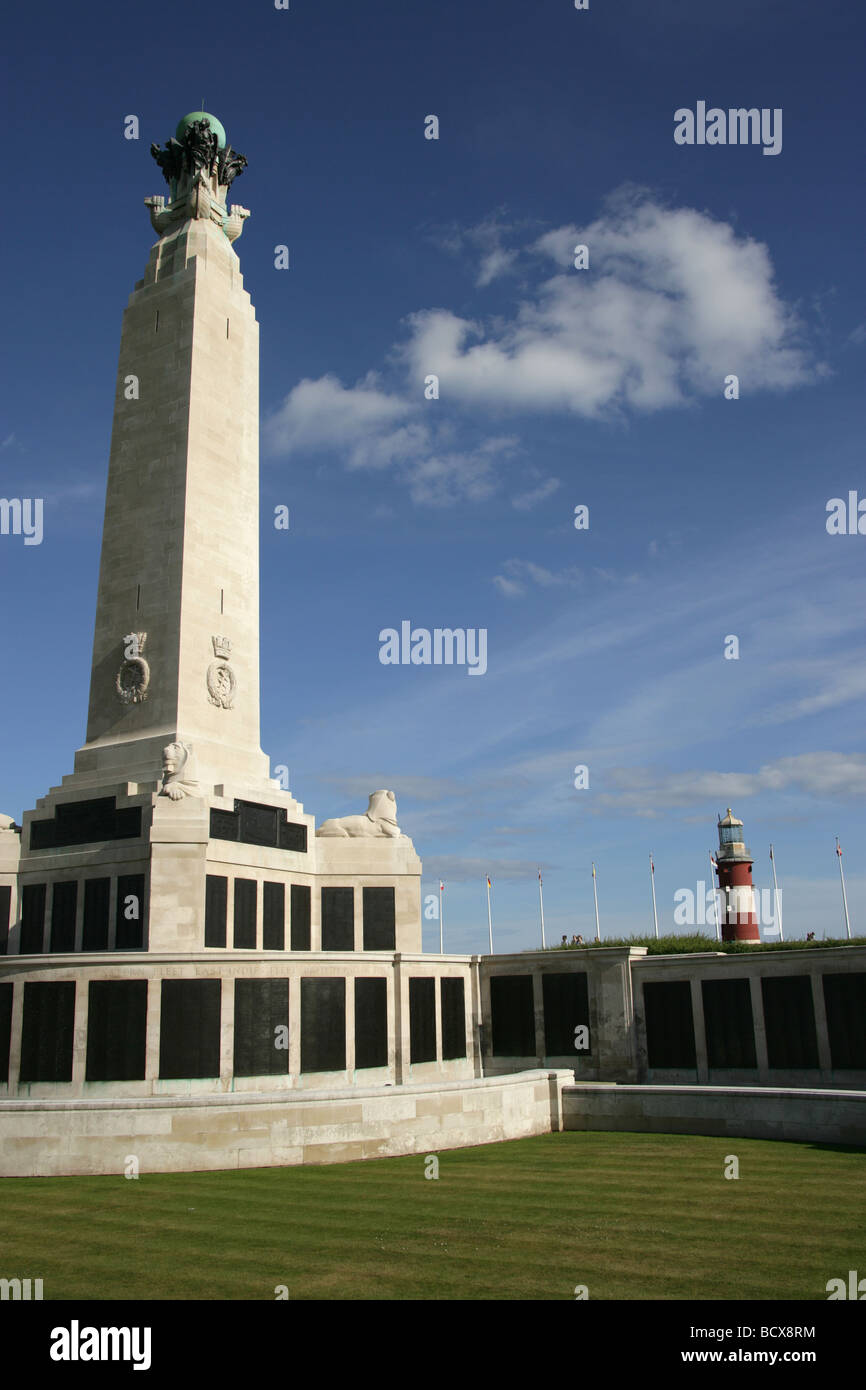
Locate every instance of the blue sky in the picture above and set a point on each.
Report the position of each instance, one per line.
(558, 387)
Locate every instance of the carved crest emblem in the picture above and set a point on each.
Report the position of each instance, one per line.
(133, 678)
(221, 679)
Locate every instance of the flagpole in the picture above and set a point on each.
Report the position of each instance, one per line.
(541, 906)
(441, 917)
(489, 917)
(844, 894)
(653, 885)
(715, 897)
(595, 896)
(776, 898)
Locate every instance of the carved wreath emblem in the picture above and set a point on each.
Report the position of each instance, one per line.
(221, 680)
(133, 678)
(221, 684)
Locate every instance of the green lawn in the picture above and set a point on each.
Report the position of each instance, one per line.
(631, 1216)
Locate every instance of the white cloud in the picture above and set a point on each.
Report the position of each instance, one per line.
(674, 301)
(326, 414)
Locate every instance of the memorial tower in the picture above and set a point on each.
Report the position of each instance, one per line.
(176, 642)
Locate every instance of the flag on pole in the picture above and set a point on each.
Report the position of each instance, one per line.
(595, 898)
(844, 893)
(653, 888)
(489, 884)
(539, 875)
(714, 864)
(777, 901)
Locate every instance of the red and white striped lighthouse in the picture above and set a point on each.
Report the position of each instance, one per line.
(734, 868)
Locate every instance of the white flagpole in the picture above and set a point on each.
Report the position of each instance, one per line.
(844, 894)
(441, 917)
(541, 906)
(777, 900)
(489, 916)
(715, 899)
(653, 884)
(595, 896)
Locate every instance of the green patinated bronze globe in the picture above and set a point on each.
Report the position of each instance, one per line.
(215, 125)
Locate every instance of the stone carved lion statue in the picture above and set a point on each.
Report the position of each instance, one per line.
(379, 819)
(177, 770)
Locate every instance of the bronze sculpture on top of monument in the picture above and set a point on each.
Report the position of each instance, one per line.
(199, 168)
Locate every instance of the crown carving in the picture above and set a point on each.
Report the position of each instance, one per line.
(222, 648)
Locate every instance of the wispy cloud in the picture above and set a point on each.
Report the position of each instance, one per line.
(519, 574)
(525, 501)
(371, 429)
(651, 792)
(484, 244)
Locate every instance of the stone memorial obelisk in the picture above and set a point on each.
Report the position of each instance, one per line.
(170, 813)
(176, 644)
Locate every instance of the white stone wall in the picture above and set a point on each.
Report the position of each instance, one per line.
(796, 1113)
(40, 1139)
